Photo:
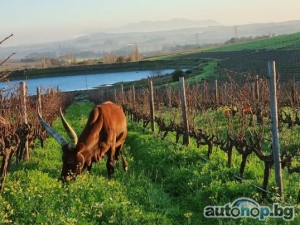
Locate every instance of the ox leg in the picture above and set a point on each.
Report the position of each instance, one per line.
(118, 153)
(89, 168)
(110, 163)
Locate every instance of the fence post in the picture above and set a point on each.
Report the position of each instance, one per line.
(169, 93)
(294, 92)
(122, 94)
(1, 101)
(39, 100)
(274, 120)
(151, 101)
(257, 88)
(23, 96)
(186, 138)
(23, 102)
(115, 95)
(216, 92)
(133, 96)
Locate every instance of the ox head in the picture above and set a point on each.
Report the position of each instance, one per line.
(72, 160)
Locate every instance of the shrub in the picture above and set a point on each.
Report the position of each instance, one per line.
(176, 74)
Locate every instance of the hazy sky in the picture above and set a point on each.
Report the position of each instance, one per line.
(36, 21)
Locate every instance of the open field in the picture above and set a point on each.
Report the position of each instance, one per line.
(250, 57)
(287, 42)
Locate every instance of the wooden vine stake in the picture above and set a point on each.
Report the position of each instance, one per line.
(151, 102)
(274, 120)
(186, 137)
(23, 101)
(39, 100)
(133, 96)
(257, 88)
(115, 95)
(122, 94)
(23, 96)
(216, 92)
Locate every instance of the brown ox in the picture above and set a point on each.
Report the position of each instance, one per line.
(104, 134)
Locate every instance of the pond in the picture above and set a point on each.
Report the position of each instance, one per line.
(84, 81)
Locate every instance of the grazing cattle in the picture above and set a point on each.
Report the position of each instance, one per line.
(104, 134)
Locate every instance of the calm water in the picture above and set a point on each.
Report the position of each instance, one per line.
(84, 82)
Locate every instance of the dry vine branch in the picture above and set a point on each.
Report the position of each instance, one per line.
(6, 38)
(7, 59)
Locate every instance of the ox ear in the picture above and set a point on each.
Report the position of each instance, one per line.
(72, 134)
(52, 132)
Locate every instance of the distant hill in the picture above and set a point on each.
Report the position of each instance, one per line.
(168, 37)
(153, 26)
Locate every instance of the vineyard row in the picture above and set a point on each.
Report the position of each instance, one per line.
(233, 116)
(19, 124)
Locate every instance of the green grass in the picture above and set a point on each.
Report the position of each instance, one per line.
(285, 41)
(209, 70)
(288, 41)
(166, 184)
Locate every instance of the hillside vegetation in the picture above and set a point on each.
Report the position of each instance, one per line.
(281, 42)
(288, 42)
(250, 58)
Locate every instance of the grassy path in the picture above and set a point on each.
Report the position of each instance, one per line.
(166, 184)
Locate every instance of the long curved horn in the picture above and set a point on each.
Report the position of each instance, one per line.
(52, 132)
(70, 131)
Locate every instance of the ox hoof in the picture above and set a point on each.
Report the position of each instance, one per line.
(126, 168)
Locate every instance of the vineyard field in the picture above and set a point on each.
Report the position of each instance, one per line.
(287, 42)
(251, 62)
(167, 183)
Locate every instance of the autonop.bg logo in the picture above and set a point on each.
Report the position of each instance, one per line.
(249, 208)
